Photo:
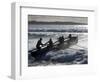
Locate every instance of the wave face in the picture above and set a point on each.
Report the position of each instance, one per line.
(62, 57)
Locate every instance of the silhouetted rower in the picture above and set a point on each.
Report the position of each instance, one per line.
(69, 36)
(50, 43)
(39, 44)
(61, 39)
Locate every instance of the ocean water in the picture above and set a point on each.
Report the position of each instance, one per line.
(76, 54)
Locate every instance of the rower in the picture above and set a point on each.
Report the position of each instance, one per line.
(50, 43)
(69, 36)
(39, 44)
(61, 39)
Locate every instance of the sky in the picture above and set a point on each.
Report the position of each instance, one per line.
(45, 18)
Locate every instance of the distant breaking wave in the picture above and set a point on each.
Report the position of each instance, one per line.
(59, 30)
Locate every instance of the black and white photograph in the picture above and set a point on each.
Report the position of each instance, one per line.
(57, 40)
